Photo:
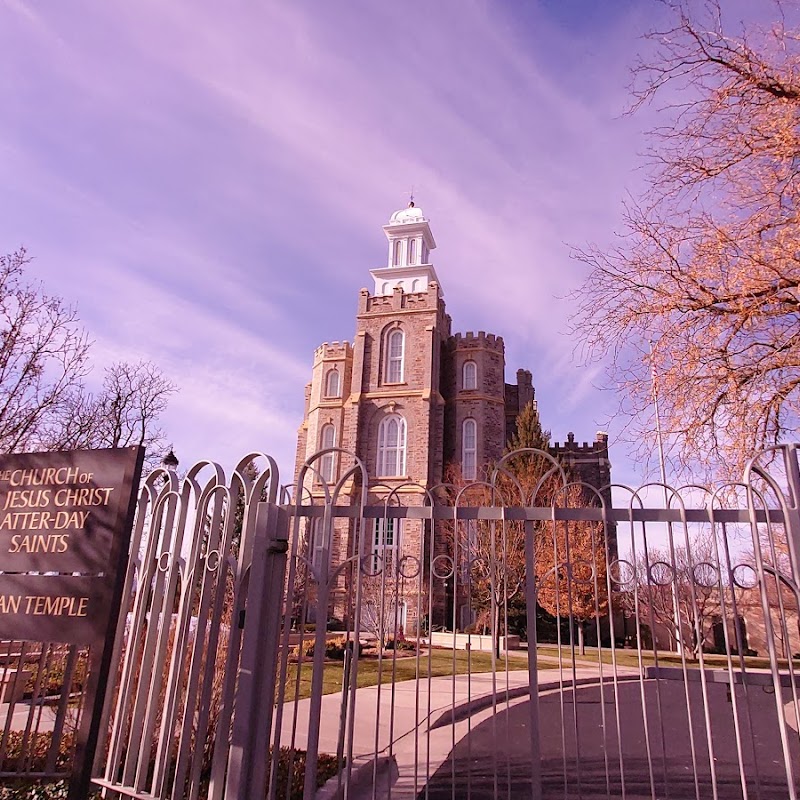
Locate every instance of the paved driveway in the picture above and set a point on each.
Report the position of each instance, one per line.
(578, 760)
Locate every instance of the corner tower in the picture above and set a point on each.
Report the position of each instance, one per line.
(395, 410)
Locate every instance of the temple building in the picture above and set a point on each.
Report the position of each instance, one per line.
(409, 397)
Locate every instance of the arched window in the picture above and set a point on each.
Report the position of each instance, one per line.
(398, 252)
(392, 447)
(332, 384)
(395, 342)
(469, 375)
(412, 251)
(469, 450)
(327, 439)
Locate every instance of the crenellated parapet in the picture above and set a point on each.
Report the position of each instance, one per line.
(399, 299)
(333, 351)
(571, 448)
(480, 340)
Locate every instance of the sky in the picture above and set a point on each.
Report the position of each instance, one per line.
(208, 183)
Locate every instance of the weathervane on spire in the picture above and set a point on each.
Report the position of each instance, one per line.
(411, 198)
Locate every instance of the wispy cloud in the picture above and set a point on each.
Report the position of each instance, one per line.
(209, 182)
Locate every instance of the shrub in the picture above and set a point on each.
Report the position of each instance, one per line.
(38, 790)
(36, 751)
(400, 644)
(335, 649)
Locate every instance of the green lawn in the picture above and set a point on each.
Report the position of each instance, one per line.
(434, 663)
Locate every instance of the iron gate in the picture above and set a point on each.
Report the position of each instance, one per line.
(469, 640)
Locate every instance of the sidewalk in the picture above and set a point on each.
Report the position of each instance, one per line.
(404, 733)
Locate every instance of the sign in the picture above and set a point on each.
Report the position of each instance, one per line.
(67, 515)
(61, 512)
(65, 528)
(53, 608)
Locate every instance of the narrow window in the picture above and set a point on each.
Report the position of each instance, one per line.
(332, 384)
(412, 252)
(386, 535)
(392, 447)
(394, 356)
(469, 450)
(469, 375)
(327, 439)
(317, 541)
(398, 252)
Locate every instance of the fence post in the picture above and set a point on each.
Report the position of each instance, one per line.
(255, 695)
(531, 594)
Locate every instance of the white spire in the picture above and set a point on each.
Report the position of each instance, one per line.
(410, 243)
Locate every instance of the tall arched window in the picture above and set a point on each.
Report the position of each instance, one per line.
(332, 384)
(327, 439)
(469, 450)
(469, 375)
(412, 251)
(398, 252)
(394, 356)
(392, 447)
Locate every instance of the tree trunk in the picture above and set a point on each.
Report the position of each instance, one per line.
(581, 645)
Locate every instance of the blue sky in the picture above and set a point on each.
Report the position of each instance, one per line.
(208, 182)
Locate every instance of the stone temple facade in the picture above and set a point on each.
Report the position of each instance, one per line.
(409, 397)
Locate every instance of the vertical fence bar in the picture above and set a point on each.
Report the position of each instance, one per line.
(533, 672)
(255, 695)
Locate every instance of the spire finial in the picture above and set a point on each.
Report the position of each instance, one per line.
(411, 198)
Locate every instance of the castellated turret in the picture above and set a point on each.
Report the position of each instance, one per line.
(473, 386)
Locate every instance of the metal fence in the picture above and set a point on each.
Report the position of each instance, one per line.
(522, 636)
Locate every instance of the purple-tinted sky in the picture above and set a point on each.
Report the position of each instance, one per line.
(208, 182)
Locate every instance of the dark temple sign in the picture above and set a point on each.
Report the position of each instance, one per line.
(67, 515)
(63, 512)
(65, 528)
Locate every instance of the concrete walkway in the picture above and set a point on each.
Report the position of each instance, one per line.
(413, 726)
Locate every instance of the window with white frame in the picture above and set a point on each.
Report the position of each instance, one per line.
(395, 345)
(327, 439)
(385, 541)
(469, 550)
(398, 252)
(392, 447)
(317, 540)
(332, 384)
(469, 449)
(412, 252)
(469, 375)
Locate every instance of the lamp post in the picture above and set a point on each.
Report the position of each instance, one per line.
(170, 461)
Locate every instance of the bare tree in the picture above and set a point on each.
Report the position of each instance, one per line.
(124, 413)
(703, 292)
(681, 595)
(43, 358)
